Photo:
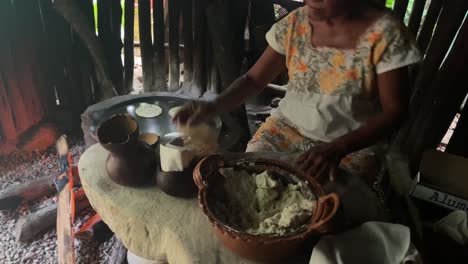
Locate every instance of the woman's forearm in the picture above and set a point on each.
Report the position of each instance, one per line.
(236, 94)
(370, 133)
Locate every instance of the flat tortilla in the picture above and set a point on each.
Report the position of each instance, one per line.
(148, 110)
(173, 111)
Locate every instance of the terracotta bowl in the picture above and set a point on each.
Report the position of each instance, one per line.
(262, 248)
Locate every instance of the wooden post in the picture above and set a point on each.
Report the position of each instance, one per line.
(449, 22)
(199, 67)
(115, 46)
(174, 58)
(399, 8)
(129, 18)
(84, 59)
(187, 16)
(416, 15)
(427, 27)
(146, 47)
(160, 79)
(226, 24)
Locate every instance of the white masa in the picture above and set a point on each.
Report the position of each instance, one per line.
(150, 223)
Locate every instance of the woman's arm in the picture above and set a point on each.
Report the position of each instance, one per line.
(265, 70)
(393, 96)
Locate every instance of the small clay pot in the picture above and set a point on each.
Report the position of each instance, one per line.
(177, 183)
(149, 138)
(131, 162)
(262, 248)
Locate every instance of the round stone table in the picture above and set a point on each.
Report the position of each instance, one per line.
(150, 223)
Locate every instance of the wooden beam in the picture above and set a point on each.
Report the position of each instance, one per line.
(160, 78)
(199, 63)
(129, 18)
(35, 224)
(416, 16)
(174, 58)
(187, 17)
(427, 28)
(115, 46)
(12, 197)
(71, 12)
(399, 8)
(146, 47)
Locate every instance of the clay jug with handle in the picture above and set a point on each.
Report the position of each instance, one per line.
(131, 162)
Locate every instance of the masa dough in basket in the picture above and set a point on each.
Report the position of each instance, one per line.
(201, 139)
(259, 204)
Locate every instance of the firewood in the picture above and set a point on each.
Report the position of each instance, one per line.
(119, 253)
(35, 224)
(13, 196)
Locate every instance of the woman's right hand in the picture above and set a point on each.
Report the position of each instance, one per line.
(195, 112)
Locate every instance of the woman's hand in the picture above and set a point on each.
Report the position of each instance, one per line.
(322, 161)
(195, 112)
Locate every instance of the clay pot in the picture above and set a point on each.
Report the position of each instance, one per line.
(177, 183)
(262, 248)
(149, 138)
(131, 162)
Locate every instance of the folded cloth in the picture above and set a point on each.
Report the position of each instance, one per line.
(454, 225)
(175, 157)
(369, 243)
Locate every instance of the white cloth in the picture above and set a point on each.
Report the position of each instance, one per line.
(454, 225)
(174, 158)
(134, 259)
(370, 243)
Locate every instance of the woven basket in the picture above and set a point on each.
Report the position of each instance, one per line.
(263, 248)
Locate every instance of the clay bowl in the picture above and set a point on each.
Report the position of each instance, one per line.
(261, 248)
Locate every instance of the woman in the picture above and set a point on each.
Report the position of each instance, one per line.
(347, 65)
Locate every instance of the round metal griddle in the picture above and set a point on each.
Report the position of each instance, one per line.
(160, 125)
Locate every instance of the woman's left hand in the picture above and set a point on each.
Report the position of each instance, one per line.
(322, 161)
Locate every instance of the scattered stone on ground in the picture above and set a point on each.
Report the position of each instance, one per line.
(22, 166)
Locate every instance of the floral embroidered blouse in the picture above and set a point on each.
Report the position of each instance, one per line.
(333, 91)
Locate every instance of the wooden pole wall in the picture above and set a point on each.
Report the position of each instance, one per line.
(174, 57)
(160, 80)
(129, 18)
(144, 20)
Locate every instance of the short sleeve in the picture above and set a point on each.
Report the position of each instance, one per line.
(395, 49)
(276, 36)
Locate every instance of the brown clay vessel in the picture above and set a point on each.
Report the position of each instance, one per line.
(131, 162)
(177, 183)
(262, 248)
